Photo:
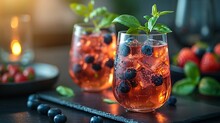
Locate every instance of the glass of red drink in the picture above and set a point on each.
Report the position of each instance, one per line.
(92, 57)
(142, 76)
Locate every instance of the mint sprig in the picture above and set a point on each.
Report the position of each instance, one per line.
(150, 24)
(100, 17)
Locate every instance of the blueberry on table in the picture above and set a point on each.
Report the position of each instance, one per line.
(96, 119)
(89, 59)
(108, 38)
(124, 87)
(130, 73)
(96, 67)
(60, 118)
(43, 109)
(33, 97)
(33, 104)
(53, 112)
(157, 80)
(172, 101)
(77, 68)
(110, 63)
(124, 50)
(147, 50)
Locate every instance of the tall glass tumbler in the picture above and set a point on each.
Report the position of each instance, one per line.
(92, 57)
(142, 80)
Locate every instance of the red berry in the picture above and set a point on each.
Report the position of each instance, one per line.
(13, 69)
(209, 63)
(6, 77)
(217, 49)
(185, 55)
(19, 78)
(29, 73)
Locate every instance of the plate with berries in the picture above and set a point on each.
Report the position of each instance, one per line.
(207, 58)
(19, 80)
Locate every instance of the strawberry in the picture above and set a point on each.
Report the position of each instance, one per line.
(185, 55)
(209, 63)
(217, 49)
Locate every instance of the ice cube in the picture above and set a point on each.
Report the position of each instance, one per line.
(144, 76)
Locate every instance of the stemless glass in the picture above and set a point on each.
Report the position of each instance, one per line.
(142, 72)
(92, 57)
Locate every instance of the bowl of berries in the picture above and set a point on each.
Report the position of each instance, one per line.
(207, 58)
(19, 80)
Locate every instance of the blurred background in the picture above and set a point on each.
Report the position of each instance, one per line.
(52, 20)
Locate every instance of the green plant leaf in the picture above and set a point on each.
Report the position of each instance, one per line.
(161, 28)
(107, 21)
(191, 71)
(127, 20)
(65, 91)
(109, 101)
(98, 12)
(209, 86)
(147, 17)
(165, 12)
(132, 31)
(184, 87)
(151, 22)
(80, 9)
(154, 10)
(91, 5)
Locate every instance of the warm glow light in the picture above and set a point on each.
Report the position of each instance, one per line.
(15, 47)
(161, 118)
(14, 22)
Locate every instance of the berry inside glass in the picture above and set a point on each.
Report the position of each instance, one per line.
(92, 57)
(142, 76)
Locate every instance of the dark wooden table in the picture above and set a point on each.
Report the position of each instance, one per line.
(14, 110)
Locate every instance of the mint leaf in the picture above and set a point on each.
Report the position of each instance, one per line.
(65, 91)
(209, 86)
(80, 9)
(109, 101)
(147, 17)
(132, 30)
(98, 12)
(91, 5)
(151, 22)
(127, 20)
(165, 12)
(107, 21)
(161, 28)
(184, 87)
(154, 10)
(191, 71)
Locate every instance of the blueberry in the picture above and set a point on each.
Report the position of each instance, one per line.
(89, 59)
(124, 87)
(124, 50)
(133, 83)
(130, 73)
(110, 63)
(96, 119)
(43, 109)
(200, 52)
(147, 50)
(172, 101)
(77, 68)
(108, 38)
(96, 67)
(33, 104)
(33, 97)
(210, 49)
(157, 79)
(53, 112)
(60, 118)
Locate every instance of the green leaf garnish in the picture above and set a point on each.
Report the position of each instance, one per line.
(209, 86)
(65, 91)
(191, 71)
(184, 87)
(100, 17)
(109, 101)
(151, 25)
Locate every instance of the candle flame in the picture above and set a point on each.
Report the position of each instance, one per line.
(15, 47)
(14, 22)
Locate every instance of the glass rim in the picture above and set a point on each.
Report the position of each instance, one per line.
(140, 34)
(89, 26)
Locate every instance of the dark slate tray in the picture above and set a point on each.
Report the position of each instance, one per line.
(185, 110)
